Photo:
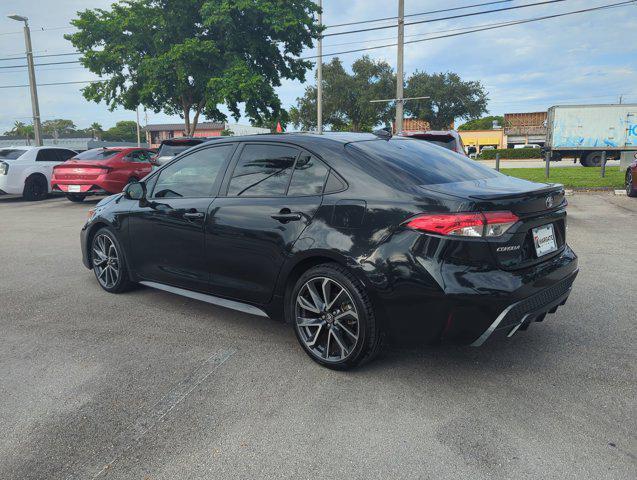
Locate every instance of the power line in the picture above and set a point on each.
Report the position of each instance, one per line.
(40, 64)
(17, 57)
(418, 14)
(54, 83)
(40, 29)
(423, 34)
(507, 24)
(451, 17)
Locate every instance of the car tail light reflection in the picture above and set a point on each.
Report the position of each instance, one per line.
(470, 224)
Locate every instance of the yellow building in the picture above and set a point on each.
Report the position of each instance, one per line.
(481, 138)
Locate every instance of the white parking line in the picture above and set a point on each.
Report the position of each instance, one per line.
(99, 463)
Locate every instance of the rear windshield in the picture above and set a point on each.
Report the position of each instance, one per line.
(402, 160)
(172, 150)
(440, 140)
(11, 153)
(96, 154)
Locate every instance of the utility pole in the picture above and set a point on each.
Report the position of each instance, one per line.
(621, 98)
(32, 84)
(139, 135)
(319, 76)
(399, 66)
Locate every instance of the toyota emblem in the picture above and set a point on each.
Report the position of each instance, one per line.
(549, 201)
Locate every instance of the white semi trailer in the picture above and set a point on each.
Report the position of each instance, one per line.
(585, 131)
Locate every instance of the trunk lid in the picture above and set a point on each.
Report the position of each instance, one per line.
(79, 170)
(536, 204)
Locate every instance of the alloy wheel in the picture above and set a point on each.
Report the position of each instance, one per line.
(327, 319)
(106, 261)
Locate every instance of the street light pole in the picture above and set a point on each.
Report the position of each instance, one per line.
(319, 76)
(139, 136)
(32, 83)
(399, 66)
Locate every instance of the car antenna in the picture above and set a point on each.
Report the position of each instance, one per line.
(382, 133)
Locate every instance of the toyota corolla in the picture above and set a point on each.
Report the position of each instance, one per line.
(350, 238)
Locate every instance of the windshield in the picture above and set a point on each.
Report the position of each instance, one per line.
(416, 162)
(11, 153)
(173, 150)
(96, 154)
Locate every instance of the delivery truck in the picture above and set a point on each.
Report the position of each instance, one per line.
(584, 132)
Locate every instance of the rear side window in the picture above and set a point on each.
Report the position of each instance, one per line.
(47, 155)
(173, 150)
(414, 162)
(64, 155)
(11, 154)
(97, 154)
(308, 177)
(140, 156)
(440, 140)
(263, 171)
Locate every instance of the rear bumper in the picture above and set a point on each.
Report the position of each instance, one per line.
(97, 186)
(521, 313)
(429, 300)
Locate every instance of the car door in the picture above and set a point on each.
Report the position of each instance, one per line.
(271, 195)
(138, 164)
(166, 232)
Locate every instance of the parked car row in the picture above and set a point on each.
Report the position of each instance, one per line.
(34, 172)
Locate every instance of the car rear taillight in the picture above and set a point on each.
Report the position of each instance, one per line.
(469, 224)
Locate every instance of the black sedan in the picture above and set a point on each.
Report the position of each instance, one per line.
(350, 238)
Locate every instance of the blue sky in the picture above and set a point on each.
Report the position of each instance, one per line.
(585, 58)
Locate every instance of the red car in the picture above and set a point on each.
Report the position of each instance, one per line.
(631, 179)
(101, 171)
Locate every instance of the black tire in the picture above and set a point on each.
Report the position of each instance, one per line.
(592, 159)
(35, 188)
(368, 339)
(74, 197)
(631, 191)
(105, 241)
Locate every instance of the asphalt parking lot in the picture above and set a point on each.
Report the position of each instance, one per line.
(148, 385)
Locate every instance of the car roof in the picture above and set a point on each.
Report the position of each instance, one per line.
(120, 149)
(303, 138)
(450, 133)
(31, 147)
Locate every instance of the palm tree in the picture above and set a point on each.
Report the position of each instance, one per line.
(21, 129)
(97, 130)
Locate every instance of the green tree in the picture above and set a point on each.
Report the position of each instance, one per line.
(346, 97)
(484, 123)
(97, 130)
(21, 130)
(283, 118)
(450, 98)
(124, 131)
(58, 126)
(192, 56)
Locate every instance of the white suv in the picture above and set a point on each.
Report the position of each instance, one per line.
(27, 171)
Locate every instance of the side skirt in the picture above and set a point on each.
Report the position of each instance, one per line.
(222, 302)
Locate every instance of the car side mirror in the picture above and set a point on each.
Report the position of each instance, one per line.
(135, 191)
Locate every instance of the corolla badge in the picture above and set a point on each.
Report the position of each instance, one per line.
(508, 248)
